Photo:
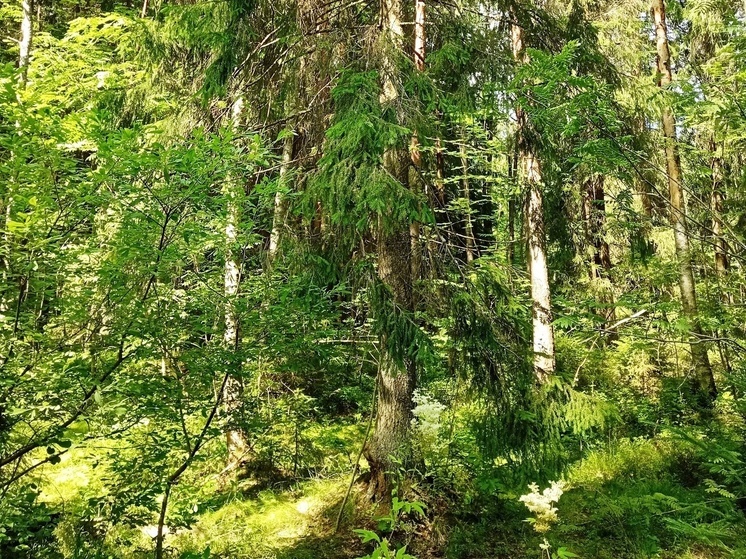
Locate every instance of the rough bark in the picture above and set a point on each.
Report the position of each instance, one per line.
(543, 332)
(390, 441)
(594, 218)
(594, 215)
(25, 43)
(700, 359)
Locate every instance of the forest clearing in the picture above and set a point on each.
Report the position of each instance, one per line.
(372, 279)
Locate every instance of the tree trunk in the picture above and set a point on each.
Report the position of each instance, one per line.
(700, 359)
(390, 441)
(540, 292)
(543, 332)
(718, 200)
(414, 174)
(233, 387)
(468, 225)
(281, 201)
(594, 217)
(512, 178)
(25, 42)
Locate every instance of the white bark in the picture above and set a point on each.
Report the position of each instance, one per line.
(543, 332)
(281, 202)
(235, 438)
(25, 42)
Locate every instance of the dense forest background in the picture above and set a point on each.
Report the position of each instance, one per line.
(372, 278)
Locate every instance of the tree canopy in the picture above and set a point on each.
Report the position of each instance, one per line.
(372, 279)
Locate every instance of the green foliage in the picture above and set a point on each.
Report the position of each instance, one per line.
(141, 160)
(352, 185)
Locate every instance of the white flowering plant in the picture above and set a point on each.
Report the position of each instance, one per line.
(541, 505)
(426, 424)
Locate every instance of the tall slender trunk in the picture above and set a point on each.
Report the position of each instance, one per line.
(27, 31)
(700, 359)
(440, 164)
(594, 217)
(594, 210)
(7, 209)
(543, 332)
(233, 387)
(465, 192)
(414, 178)
(390, 441)
(512, 177)
(718, 201)
(281, 200)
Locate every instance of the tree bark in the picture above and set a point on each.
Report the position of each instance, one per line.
(594, 210)
(419, 63)
(594, 217)
(233, 387)
(678, 216)
(465, 192)
(390, 441)
(512, 177)
(718, 200)
(281, 201)
(27, 31)
(543, 332)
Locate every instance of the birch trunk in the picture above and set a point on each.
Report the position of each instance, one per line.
(414, 179)
(281, 201)
(232, 388)
(512, 177)
(25, 43)
(543, 332)
(678, 216)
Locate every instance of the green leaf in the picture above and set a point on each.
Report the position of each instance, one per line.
(367, 535)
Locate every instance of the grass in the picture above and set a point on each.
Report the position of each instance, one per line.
(268, 525)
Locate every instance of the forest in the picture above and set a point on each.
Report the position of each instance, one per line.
(372, 279)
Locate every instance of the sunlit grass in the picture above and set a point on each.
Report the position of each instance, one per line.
(262, 527)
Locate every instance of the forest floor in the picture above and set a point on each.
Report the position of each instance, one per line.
(633, 500)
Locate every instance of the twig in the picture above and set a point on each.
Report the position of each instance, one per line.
(356, 468)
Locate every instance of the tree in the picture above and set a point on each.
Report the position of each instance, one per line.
(530, 172)
(232, 387)
(25, 42)
(678, 214)
(397, 376)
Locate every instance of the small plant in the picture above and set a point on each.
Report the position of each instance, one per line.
(389, 523)
(382, 549)
(541, 504)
